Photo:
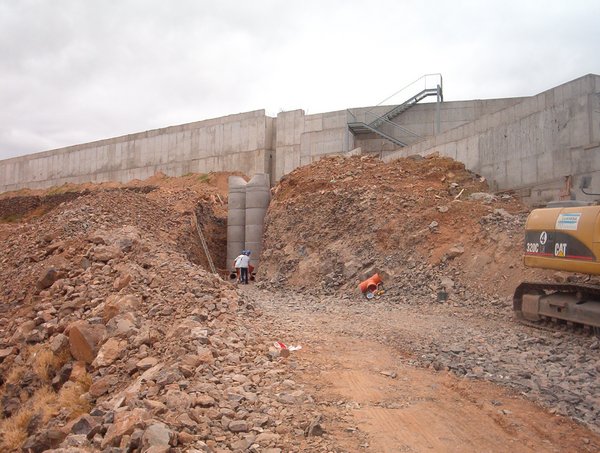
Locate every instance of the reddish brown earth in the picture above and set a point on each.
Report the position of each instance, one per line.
(183, 361)
(362, 362)
(338, 221)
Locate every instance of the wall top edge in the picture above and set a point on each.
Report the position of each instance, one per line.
(291, 112)
(591, 78)
(444, 105)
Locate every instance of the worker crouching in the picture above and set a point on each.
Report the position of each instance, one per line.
(242, 263)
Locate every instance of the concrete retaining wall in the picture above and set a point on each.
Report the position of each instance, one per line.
(531, 146)
(302, 139)
(422, 120)
(241, 142)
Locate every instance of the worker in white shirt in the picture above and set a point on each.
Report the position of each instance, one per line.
(242, 262)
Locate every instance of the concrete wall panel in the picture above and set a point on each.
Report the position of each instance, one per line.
(313, 123)
(173, 150)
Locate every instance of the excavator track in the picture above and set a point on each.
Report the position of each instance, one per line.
(556, 325)
(572, 306)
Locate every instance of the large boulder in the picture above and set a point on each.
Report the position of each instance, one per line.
(22, 331)
(47, 278)
(6, 352)
(59, 343)
(43, 440)
(109, 352)
(85, 340)
(187, 328)
(116, 304)
(105, 253)
(455, 251)
(123, 325)
(87, 425)
(103, 385)
(157, 435)
(124, 424)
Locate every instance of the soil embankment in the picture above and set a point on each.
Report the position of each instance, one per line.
(114, 337)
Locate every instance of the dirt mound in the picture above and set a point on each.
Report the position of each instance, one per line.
(113, 338)
(202, 194)
(427, 225)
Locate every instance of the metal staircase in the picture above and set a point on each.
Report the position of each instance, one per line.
(372, 121)
(363, 128)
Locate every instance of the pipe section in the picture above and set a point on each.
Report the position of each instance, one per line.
(258, 196)
(236, 218)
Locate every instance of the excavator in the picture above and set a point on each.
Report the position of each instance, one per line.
(564, 237)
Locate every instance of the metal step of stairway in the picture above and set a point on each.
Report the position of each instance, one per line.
(404, 107)
(363, 128)
(359, 128)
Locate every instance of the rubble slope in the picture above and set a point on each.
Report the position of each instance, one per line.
(425, 224)
(114, 337)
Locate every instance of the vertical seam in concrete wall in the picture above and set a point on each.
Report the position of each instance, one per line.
(590, 117)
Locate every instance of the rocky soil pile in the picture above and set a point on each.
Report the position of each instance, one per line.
(204, 194)
(113, 338)
(427, 225)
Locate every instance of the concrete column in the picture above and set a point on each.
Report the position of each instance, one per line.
(236, 218)
(258, 196)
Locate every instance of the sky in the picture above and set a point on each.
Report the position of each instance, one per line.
(75, 71)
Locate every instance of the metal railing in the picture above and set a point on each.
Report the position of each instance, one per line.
(377, 119)
(425, 82)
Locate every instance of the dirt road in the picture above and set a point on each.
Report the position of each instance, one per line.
(358, 363)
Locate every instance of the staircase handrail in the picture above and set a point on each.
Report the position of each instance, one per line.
(424, 77)
(396, 110)
(374, 121)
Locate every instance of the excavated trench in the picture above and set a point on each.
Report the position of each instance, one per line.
(214, 228)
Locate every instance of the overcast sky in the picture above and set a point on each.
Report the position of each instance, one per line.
(73, 71)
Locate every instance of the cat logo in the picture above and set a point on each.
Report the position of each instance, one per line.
(560, 249)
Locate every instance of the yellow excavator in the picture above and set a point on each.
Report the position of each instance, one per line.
(564, 238)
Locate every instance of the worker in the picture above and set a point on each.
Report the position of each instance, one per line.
(242, 262)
